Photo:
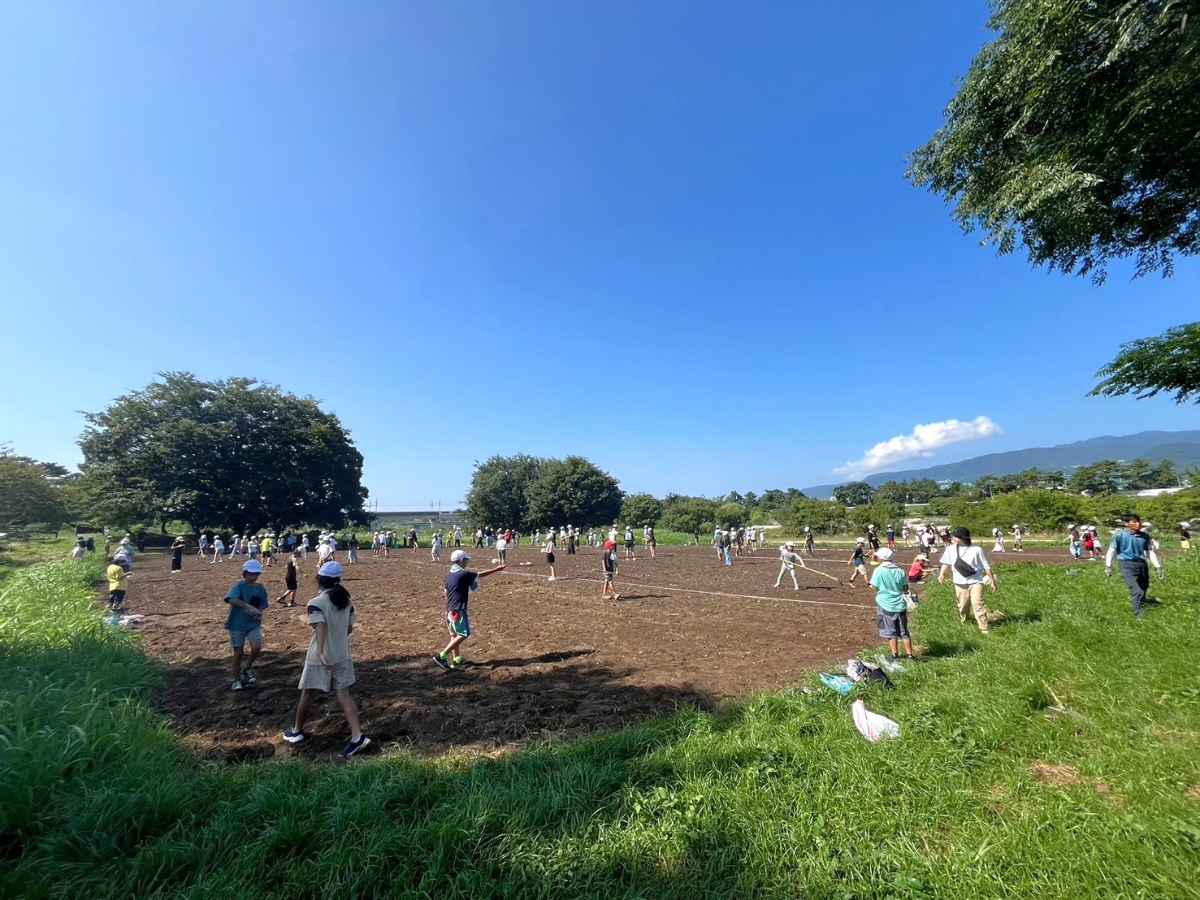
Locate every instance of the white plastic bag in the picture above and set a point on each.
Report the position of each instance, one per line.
(873, 726)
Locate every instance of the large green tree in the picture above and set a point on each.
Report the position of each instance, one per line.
(1075, 134)
(856, 493)
(28, 493)
(573, 491)
(690, 515)
(232, 452)
(641, 509)
(497, 496)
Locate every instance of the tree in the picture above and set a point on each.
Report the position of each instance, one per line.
(690, 515)
(641, 509)
(572, 491)
(232, 452)
(1075, 133)
(856, 493)
(729, 514)
(497, 496)
(27, 494)
(1167, 363)
(1104, 477)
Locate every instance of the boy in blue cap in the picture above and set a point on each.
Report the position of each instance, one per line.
(247, 599)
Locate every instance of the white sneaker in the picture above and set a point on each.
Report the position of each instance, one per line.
(551, 578)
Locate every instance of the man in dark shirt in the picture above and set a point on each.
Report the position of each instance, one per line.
(1131, 546)
(460, 581)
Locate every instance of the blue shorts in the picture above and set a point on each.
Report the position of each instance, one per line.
(459, 623)
(892, 625)
(237, 639)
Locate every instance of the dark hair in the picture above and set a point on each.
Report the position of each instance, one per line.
(1130, 515)
(338, 594)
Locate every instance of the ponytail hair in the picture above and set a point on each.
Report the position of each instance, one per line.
(337, 594)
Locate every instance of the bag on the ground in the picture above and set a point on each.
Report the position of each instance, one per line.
(839, 683)
(857, 670)
(873, 726)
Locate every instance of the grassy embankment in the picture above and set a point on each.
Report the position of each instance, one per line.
(989, 792)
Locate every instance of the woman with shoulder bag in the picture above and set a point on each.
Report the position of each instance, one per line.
(969, 568)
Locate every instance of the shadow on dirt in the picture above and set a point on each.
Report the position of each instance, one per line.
(408, 702)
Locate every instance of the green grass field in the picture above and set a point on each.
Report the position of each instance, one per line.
(1057, 757)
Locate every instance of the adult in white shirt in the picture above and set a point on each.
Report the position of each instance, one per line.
(968, 585)
(502, 548)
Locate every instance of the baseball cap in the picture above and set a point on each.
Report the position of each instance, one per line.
(253, 566)
(330, 570)
(884, 554)
(459, 556)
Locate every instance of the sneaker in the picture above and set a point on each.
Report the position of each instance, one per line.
(236, 686)
(294, 737)
(551, 578)
(457, 661)
(248, 677)
(441, 660)
(354, 746)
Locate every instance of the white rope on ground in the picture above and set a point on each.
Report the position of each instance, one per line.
(663, 587)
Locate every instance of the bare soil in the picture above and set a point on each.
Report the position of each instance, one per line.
(547, 659)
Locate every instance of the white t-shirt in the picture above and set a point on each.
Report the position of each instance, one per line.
(501, 544)
(972, 556)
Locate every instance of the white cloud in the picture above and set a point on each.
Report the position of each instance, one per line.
(922, 442)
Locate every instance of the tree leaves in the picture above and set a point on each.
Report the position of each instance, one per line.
(1077, 133)
(231, 452)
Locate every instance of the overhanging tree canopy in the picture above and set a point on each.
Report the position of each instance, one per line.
(1077, 133)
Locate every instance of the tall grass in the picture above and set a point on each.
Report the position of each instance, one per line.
(776, 797)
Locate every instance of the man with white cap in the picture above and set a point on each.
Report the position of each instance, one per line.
(247, 599)
(460, 583)
(788, 560)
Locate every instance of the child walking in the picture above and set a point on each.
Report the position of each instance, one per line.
(117, 573)
(247, 599)
(608, 565)
(328, 663)
(291, 580)
(460, 582)
(549, 551)
(891, 588)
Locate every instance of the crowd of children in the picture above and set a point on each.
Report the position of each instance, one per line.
(328, 664)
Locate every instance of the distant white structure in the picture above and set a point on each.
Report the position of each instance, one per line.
(1158, 492)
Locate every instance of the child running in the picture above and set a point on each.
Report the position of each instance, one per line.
(460, 582)
(328, 663)
(247, 599)
(858, 562)
(291, 580)
(891, 602)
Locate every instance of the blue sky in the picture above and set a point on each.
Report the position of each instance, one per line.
(673, 237)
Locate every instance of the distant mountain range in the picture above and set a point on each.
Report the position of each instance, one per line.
(1181, 447)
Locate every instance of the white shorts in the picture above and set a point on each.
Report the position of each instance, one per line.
(325, 678)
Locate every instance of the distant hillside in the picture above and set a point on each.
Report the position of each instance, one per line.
(1181, 447)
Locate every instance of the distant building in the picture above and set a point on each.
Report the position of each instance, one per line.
(1158, 492)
